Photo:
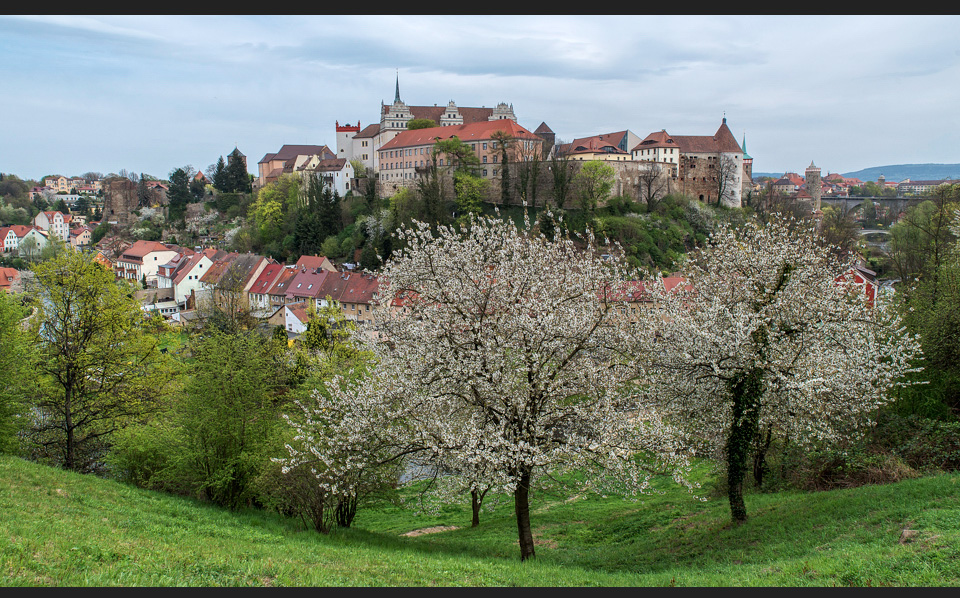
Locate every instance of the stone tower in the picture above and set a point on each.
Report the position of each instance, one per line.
(119, 200)
(812, 180)
(747, 167)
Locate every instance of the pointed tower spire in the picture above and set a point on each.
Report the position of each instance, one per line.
(396, 99)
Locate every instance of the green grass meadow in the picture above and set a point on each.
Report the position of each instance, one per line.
(59, 528)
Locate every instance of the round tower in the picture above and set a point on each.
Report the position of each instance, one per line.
(813, 184)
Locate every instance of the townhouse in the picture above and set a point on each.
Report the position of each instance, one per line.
(55, 223)
(143, 260)
(13, 235)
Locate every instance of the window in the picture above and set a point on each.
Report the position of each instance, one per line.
(484, 159)
(484, 172)
(484, 146)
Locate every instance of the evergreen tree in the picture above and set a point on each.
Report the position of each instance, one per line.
(237, 176)
(83, 205)
(178, 195)
(197, 188)
(143, 194)
(220, 177)
(331, 219)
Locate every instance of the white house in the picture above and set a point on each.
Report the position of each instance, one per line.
(295, 317)
(143, 259)
(54, 222)
(33, 242)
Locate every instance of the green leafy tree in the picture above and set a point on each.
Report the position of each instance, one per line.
(329, 332)
(98, 370)
(17, 367)
(227, 416)
(99, 233)
(431, 195)
(923, 237)
(275, 209)
(593, 184)
(83, 205)
(504, 141)
(838, 232)
(420, 123)
(869, 210)
(13, 188)
(460, 156)
(470, 191)
(560, 172)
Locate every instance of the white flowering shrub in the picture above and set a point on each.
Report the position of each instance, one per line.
(765, 337)
(503, 359)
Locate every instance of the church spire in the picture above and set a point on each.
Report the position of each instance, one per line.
(396, 98)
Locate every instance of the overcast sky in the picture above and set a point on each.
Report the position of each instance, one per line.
(151, 93)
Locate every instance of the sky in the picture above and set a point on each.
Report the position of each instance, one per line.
(153, 93)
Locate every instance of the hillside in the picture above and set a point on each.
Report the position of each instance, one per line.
(894, 172)
(63, 529)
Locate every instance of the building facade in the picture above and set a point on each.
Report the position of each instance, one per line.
(354, 143)
(410, 153)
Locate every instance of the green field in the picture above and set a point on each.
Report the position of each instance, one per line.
(64, 529)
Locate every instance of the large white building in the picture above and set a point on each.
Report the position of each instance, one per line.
(55, 223)
(354, 143)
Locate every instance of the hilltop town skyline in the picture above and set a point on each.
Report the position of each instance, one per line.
(149, 94)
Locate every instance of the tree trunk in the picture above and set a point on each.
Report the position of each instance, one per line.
(746, 390)
(71, 456)
(346, 510)
(476, 500)
(760, 456)
(521, 503)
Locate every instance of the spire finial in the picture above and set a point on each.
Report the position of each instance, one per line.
(396, 99)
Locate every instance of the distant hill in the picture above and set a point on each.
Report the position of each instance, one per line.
(893, 172)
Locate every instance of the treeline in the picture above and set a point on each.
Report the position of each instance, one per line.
(92, 384)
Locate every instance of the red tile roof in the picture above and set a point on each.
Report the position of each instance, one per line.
(657, 139)
(282, 283)
(271, 272)
(289, 152)
(466, 133)
(142, 248)
(312, 262)
(721, 141)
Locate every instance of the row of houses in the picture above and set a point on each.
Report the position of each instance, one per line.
(28, 239)
(178, 279)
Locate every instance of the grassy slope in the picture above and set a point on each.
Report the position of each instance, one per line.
(59, 528)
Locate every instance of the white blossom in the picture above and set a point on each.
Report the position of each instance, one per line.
(765, 301)
(503, 357)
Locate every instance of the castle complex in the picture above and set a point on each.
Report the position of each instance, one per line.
(712, 168)
(354, 143)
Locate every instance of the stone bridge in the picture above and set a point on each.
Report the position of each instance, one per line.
(848, 204)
